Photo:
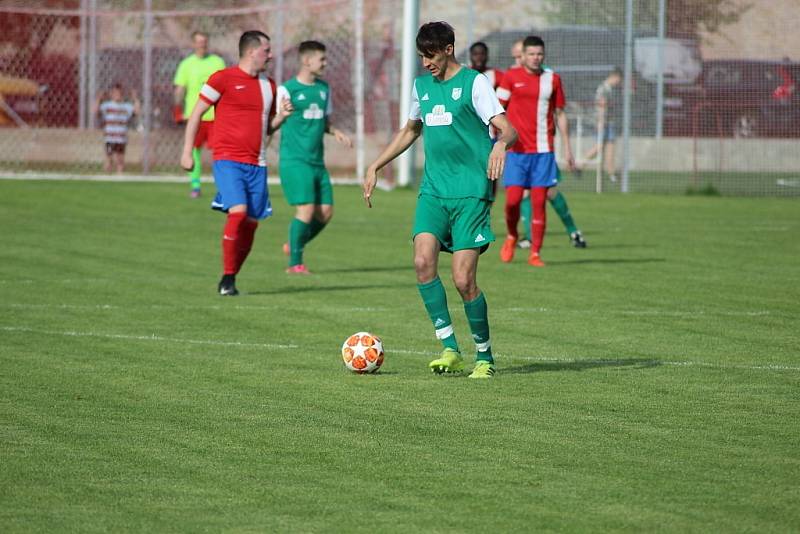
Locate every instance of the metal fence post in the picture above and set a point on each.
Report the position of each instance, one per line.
(358, 85)
(626, 96)
(147, 85)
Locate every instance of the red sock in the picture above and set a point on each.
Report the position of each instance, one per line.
(539, 217)
(247, 232)
(231, 236)
(513, 199)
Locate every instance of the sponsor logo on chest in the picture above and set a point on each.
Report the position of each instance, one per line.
(438, 116)
(313, 112)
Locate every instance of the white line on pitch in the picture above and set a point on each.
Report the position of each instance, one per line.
(655, 361)
(152, 337)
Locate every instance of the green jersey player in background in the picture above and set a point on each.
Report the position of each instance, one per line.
(452, 106)
(304, 178)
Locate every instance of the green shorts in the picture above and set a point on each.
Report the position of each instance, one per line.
(458, 223)
(306, 184)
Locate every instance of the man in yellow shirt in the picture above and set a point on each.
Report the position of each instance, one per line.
(192, 73)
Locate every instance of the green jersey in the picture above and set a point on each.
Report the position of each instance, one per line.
(303, 130)
(192, 73)
(455, 115)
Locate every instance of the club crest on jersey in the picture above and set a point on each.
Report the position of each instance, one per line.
(313, 112)
(456, 94)
(438, 117)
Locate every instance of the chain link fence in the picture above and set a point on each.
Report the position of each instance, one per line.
(709, 98)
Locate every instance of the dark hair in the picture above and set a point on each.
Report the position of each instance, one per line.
(532, 40)
(617, 71)
(310, 46)
(479, 44)
(434, 37)
(251, 39)
(198, 32)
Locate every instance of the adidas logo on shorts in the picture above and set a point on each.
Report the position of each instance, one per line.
(480, 238)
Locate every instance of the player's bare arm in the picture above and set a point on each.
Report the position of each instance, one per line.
(192, 125)
(506, 136)
(399, 144)
(285, 108)
(563, 127)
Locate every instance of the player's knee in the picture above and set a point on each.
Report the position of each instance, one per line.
(425, 267)
(465, 284)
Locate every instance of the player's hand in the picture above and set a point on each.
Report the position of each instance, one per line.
(177, 113)
(342, 137)
(571, 162)
(187, 162)
(370, 180)
(286, 108)
(497, 161)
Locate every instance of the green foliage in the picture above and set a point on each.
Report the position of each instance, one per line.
(647, 383)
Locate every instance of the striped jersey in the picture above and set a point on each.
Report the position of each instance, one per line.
(531, 100)
(244, 106)
(116, 116)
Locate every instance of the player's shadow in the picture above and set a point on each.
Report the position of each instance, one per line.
(607, 261)
(322, 289)
(581, 365)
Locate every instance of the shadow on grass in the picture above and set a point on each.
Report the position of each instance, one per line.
(322, 289)
(607, 261)
(580, 365)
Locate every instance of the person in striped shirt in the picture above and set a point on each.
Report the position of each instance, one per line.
(534, 100)
(115, 115)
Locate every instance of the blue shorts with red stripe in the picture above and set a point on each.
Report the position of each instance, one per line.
(241, 183)
(530, 170)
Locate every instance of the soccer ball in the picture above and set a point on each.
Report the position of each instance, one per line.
(362, 352)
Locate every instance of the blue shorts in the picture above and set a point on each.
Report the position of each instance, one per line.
(530, 170)
(609, 134)
(241, 183)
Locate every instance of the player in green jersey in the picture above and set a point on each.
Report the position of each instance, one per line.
(190, 76)
(304, 179)
(452, 106)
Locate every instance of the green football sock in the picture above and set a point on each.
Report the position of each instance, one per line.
(478, 318)
(314, 227)
(298, 237)
(525, 217)
(559, 204)
(197, 170)
(435, 299)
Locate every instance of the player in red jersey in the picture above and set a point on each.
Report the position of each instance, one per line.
(534, 100)
(244, 98)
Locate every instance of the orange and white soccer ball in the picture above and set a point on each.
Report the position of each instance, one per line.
(363, 352)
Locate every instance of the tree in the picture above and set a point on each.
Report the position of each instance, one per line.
(685, 18)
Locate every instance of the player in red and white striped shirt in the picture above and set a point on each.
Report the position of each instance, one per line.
(245, 116)
(534, 101)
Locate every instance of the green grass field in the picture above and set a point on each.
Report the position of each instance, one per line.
(648, 383)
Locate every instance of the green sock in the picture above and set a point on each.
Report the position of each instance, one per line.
(478, 318)
(197, 171)
(315, 227)
(298, 237)
(435, 299)
(525, 217)
(559, 204)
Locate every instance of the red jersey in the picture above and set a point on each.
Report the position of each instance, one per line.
(244, 107)
(530, 101)
(495, 76)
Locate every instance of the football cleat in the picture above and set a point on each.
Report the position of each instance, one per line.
(482, 369)
(450, 361)
(298, 269)
(195, 193)
(577, 240)
(524, 243)
(535, 260)
(227, 286)
(507, 252)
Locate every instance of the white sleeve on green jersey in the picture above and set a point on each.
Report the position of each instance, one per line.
(329, 108)
(414, 113)
(282, 93)
(484, 99)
